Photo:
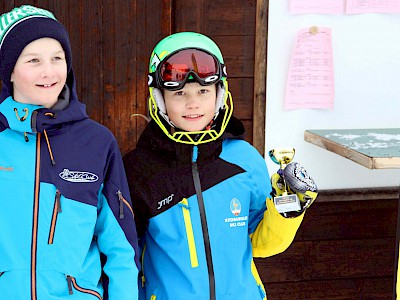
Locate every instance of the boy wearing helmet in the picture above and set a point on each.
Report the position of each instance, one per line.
(202, 194)
(63, 216)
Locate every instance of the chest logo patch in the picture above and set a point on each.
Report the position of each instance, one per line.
(78, 176)
(235, 206)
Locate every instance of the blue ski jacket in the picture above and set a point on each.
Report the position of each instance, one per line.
(202, 213)
(65, 211)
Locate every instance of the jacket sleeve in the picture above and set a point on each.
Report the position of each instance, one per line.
(274, 233)
(116, 232)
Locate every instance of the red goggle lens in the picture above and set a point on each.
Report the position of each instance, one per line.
(177, 66)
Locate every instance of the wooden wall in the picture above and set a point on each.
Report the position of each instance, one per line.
(344, 249)
(112, 42)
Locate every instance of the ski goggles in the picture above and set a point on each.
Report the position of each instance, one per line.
(185, 66)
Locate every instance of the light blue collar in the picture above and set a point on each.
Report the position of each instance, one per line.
(18, 115)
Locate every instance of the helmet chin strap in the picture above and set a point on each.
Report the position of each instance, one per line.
(159, 98)
(211, 132)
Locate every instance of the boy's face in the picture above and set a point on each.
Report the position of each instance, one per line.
(191, 108)
(40, 73)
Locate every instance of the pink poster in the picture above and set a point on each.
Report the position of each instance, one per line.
(316, 6)
(372, 6)
(310, 81)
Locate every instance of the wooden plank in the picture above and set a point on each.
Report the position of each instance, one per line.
(260, 67)
(338, 149)
(150, 22)
(216, 18)
(92, 59)
(370, 149)
(333, 259)
(166, 17)
(72, 19)
(356, 194)
(248, 126)
(349, 220)
(386, 163)
(242, 95)
(238, 52)
(372, 142)
(121, 83)
(231, 17)
(379, 288)
(109, 62)
(189, 16)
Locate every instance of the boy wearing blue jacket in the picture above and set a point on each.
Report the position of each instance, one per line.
(65, 212)
(203, 204)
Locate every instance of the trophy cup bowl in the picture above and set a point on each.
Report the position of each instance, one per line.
(282, 156)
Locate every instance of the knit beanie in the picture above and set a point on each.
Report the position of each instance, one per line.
(21, 26)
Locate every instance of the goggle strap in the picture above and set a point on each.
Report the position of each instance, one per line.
(151, 80)
(223, 69)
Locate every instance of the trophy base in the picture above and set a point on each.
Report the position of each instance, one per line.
(287, 203)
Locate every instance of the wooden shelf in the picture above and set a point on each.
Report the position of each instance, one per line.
(372, 148)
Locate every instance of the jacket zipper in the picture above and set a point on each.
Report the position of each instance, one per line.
(203, 218)
(56, 210)
(35, 220)
(141, 272)
(123, 201)
(71, 281)
(189, 233)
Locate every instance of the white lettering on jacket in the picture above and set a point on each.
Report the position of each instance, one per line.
(165, 201)
(78, 176)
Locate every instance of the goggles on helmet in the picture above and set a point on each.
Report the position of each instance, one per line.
(186, 65)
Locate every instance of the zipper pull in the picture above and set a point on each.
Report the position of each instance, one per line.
(69, 281)
(58, 201)
(121, 205)
(26, 137)
(143, 279)
(184, 204)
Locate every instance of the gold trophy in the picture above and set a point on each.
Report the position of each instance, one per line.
(285, 202)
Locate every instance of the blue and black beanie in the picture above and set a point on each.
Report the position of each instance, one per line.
(23, 25)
